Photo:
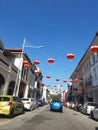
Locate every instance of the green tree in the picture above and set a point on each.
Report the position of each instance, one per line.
(57, 96)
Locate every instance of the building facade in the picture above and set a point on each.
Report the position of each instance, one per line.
(17, 78)
(86, 87)
(8, 71)
(45, 94)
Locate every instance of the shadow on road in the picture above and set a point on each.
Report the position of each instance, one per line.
(39, 119)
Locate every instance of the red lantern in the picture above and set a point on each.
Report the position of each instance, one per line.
(57, 79)
(76, 80)
(70, 56)
(51, 60)
(94, 49)
(25, 62)
(26, 66)
(36, 62)
(48, 76)
(71, 80)
(37, 72)
(64, 80)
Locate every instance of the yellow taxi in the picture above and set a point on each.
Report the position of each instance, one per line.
(10, 105)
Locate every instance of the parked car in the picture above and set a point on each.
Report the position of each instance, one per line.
(72, 105)
(77, 106)
(69, 104)
(94, 113)
(10, 105)
(56, 105)
(40, 103)
(29, 103)
(87, 107)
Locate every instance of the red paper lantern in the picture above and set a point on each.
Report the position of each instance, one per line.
(36, 62)
(71, 80)
(26, 66)
(25, 62)
(48, 76)
(70, 56)
(64, 80)
(57, 79)
(94, 49)
(37, 72)
(76, 80)
(51, 60)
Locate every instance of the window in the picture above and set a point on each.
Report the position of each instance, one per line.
(17, 99)
(4, 99)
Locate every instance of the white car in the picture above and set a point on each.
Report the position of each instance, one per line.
(68, 104)
(94, 113)
(87, 107)
(29, 103)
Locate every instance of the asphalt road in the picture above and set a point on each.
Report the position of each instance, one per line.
(43, 119)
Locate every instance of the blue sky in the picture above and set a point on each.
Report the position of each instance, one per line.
(61, 26)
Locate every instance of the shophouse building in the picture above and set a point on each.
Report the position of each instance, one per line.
(85, 88)
(28, 83)
(8, 71)
(16, 78)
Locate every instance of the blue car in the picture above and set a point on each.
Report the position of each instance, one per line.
(56, 105)
(40, 103)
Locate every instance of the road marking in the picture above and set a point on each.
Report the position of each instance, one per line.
(5, 122)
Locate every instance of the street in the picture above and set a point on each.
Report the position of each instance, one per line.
(43, 119)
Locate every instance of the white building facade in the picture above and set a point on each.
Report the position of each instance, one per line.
(45, 93)
(16, 78)
(87, 76)
(8, 72)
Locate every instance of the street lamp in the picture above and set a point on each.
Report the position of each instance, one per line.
(23, 46)
(18, 79)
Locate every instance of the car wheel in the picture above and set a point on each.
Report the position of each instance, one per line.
(22, 111)
(50, 109)
(11, 115)
(31, 108)
(34, 107)
(61, 110)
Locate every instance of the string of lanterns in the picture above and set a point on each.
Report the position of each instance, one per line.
(70, 56)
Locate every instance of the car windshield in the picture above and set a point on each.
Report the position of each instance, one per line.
(92, 104)
(4, 99)
(56, 101)
(25, 99)
(39, 100)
